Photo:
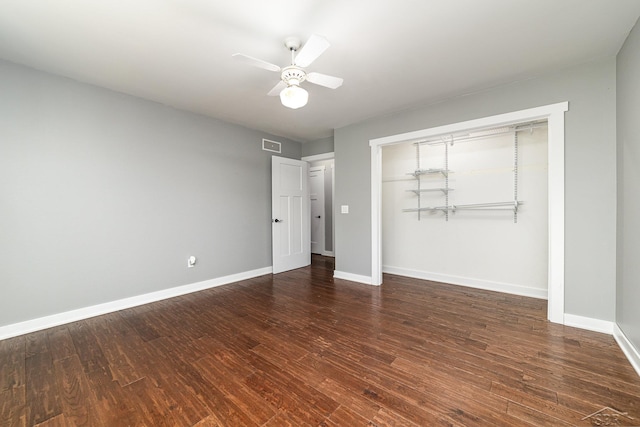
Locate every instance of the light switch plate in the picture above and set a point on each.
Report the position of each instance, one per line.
(344, 209)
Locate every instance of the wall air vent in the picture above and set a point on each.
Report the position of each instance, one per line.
(269, 145)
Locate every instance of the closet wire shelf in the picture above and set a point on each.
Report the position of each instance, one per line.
(430, 190)
(418, 172)
(447, 208)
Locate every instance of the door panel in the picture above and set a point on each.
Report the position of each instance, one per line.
(284, 247)
(296, 226)
(290, 178)
(290, 214)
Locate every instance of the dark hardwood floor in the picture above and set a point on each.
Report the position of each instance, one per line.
(301, 348)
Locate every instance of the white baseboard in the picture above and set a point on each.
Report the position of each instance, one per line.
(327, 253)
(38, 324)
(352, 277)
(588, 323)
(627, 347)
(469, 282)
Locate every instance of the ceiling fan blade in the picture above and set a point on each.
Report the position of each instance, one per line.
(313, 48)
(277, 89)
(324, 80)
(256, 62)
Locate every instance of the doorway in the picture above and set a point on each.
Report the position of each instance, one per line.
(554, 114)
(322, 167)
(469, 210)
(316, 195)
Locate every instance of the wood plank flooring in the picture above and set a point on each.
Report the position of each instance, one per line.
(301, 348)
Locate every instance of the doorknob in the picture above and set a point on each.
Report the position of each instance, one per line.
(318, 217)
(278, 220)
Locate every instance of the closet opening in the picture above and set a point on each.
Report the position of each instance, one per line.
(469, 209)
(477, 203)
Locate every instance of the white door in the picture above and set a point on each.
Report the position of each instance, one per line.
(316, 190)
(290, 214)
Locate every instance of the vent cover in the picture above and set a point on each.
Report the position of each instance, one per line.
(273, 146)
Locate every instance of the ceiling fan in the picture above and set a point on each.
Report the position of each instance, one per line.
(291, 94)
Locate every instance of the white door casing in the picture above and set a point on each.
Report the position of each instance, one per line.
(332, 167)
(316, 194)
(290, 214)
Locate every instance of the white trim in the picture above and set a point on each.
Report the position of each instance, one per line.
(554, 113)
(588, 323)
(40, 323)
(352, 277)
(318, 157)
(514, 117)
(333, 214)
(327, 253)
(627, 347)
(376, 214)
(487, 285)
(555, 194)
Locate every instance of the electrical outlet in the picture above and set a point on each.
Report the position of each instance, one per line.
(191, 262)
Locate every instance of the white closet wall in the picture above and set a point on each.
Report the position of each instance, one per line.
(485, 249)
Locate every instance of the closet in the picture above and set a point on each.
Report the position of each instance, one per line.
(469, 208)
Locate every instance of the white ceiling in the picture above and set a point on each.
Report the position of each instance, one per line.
(393, 55)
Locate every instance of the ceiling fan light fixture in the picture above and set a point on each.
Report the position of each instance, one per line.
(293, 96)
(291, 77)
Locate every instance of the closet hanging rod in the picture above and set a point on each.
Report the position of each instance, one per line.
(438, 208)
(449, 139)
(500, 206)
(513, 205)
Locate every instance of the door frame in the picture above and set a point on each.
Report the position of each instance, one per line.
(328, 156)
(554, 114)
(323, 248)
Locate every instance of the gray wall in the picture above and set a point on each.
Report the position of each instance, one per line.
(104, 196)
(320, 146)
(590, 226)
(628, 99)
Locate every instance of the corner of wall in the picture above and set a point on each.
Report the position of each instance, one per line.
(319, 146)
(627, 347)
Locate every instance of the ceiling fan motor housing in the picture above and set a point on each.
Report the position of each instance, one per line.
(293, 75)
(292, 43)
